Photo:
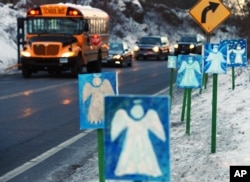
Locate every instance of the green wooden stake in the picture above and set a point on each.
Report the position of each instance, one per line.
(184, 105)
(189, 95)
(171, 86)
(214, 113)
(233, 78)
(101, 155)
(204, 81)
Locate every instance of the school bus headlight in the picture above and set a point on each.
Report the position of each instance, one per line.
(25, 54)
(136, 48)
(156, 49)
(191, 46)
(68, 54)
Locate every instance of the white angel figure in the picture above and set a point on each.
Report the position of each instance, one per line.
(238, 54)
(97, 90)
(189, 68)
(215, 58)
(137, 155)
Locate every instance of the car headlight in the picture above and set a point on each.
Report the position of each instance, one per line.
(156, 49)
(25, 54)
(191, 46)
(68, 54)
(176, 46)
(117, 56)
(136, 48)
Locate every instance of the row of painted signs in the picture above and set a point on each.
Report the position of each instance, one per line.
(215, 59)
(136, 128)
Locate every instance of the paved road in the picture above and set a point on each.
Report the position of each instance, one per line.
(39, 114)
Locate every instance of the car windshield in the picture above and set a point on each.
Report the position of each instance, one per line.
(150, 40)
(188, 39)
(116, 46)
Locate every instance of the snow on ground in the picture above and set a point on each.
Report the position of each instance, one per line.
(191, 157)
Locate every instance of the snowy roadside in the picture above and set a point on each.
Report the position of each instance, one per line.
(191, 157)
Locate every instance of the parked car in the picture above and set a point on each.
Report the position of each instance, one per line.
(152, 46)
(119, 54)
(189, 44)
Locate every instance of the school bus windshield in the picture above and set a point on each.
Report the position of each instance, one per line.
(55, 26)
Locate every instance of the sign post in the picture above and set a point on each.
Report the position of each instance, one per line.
(184, 105)
(92, 90)
(210, 14)
(172, 65)
(214, 113)
(189, 75)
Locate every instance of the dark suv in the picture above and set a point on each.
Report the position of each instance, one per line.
(152, 46)
(189, 44)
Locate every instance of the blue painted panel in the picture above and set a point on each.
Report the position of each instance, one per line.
(236, 52)
(137, 139)
(172, 61)
(189, 74)
(215, 58)
(92, 89)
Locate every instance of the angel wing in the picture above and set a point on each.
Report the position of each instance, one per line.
(154, 124)
(86, 91)
(183, 67)
(107, 88)
(239, 51)
(119, 123)
(196, 66)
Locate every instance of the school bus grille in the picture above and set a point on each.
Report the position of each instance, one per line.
(43, 50)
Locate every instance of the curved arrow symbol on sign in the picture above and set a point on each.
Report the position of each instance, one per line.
(212, 6)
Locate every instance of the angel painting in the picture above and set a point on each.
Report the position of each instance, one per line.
(137, 136)
(97, 90)
(189, 73)
(238, 51)
(92, 90)
(215, 61)
(137, 145)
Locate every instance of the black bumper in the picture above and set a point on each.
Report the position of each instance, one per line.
(48, 63)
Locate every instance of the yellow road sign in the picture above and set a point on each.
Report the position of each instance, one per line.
(209, 14)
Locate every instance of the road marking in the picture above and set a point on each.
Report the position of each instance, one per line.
(28, 92)
(35, 161)
(161, 91)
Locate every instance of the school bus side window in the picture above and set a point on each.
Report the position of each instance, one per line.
(92, 26)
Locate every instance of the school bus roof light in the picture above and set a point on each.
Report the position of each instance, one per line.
(73, 12)
(33, 12)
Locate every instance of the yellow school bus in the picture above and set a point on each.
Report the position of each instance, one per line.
(62, 37)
